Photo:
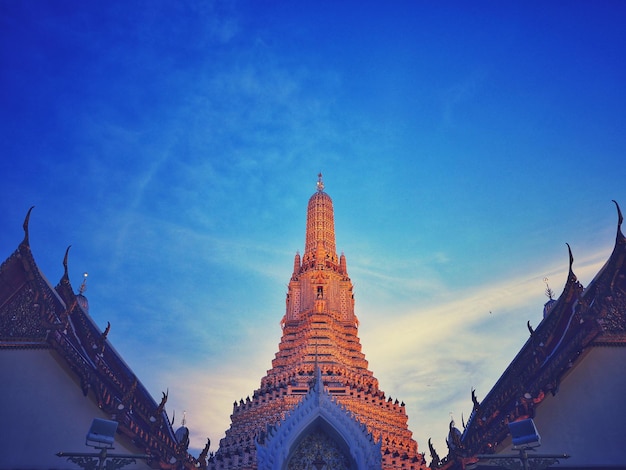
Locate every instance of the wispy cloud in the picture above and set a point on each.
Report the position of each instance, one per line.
(431, 356)
(427, 356)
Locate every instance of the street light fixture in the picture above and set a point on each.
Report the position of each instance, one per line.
(524, 434)
(101, 436)
(525, 437)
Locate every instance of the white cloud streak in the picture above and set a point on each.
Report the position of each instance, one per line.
(429, 357)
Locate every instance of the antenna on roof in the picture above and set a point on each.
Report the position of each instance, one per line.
(83, 286)
(549, 292)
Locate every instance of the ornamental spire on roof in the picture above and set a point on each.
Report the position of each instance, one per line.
(320, 182)
(320, 226)
(319, 339)
(83, 285)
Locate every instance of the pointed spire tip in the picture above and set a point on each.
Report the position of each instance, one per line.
(620, 220)
(65, 259)
(571, 256)
(320, 182)
(26, 240)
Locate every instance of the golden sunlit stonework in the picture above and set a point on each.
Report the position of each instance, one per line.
(319, 348)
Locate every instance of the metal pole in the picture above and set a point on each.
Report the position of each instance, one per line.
(103, 457)
(523, 456)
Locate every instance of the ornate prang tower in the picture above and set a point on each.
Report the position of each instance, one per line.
(319, 339)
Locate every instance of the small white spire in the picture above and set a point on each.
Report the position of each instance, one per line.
(320, 182)
(83, 286)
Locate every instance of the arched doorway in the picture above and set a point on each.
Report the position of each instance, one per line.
(320, 448)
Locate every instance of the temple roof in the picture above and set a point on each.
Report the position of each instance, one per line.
(581, 318)
(33, 314)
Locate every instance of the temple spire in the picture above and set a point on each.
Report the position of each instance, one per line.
(319, 341)
(320, 226)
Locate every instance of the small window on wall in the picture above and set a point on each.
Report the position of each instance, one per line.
(320, 292)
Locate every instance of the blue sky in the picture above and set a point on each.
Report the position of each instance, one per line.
(175, 145)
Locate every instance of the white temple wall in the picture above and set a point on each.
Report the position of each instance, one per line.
(586, 418)
(44, 412)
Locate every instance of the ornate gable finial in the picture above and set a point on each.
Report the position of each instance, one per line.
(204, 454)
(571, 256)
(571, 277)
(163, 401)
(26, 241)
(66, 276)
(105, 333)
(620, 219)
(433, 454)
(320, 182)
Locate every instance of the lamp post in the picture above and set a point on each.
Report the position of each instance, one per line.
(101, 436)
(525, 437)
